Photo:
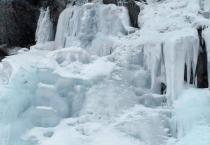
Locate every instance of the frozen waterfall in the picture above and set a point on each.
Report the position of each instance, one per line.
(44, 32)
(103, 82)
(90, 27)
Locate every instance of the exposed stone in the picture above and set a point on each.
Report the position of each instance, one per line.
(18, 20)
(134, 11)
(3, 51)
(56, 7)
(110, 2)
(201, 70)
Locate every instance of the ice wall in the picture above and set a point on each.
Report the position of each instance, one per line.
(64, 83)
(91, 27)
(15, 102)
(44, 32)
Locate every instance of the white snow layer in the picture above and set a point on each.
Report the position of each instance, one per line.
(99, 82)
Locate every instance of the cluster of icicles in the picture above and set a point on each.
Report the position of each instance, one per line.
(168, 60)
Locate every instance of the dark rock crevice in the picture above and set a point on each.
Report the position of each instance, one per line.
(191, 81)
(133, 10)
(56, 7)
(201, 69)
(18, 20)
(18, 23)
(3, 51)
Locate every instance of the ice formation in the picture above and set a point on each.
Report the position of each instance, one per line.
(102, 82)
(44, 32)
(205, 4)
(90, 27)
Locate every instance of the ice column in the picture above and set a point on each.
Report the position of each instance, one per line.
(44, 30)
(178, 53)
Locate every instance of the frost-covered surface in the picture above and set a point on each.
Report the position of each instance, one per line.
(99, 82)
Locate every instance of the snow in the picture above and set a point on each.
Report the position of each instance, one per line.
(191, 117)
(99, 82)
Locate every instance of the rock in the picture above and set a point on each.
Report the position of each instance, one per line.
(56, 7)
(134, 11)
(3, 51)
(110, 2)
(18, 20)
(202, 70)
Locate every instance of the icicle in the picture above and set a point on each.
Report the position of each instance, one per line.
(153, 62)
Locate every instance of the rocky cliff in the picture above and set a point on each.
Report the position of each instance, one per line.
(18, 19)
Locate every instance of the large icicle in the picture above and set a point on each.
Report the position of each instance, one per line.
(177, 53)
(167, 60)
(44, 32)
(152, 60)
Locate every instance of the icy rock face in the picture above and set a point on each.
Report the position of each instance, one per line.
(18, 20)
(105, 85)
(174, 42)
(206, 37)
(44, 32)
(89, 26)
(167, 60)
(3, 51)
(56, 7)
(202, 66)
(132, 7)
(134, 11)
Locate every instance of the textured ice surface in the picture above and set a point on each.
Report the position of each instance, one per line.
(44, 32)
(99, 82)
(91, 26)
